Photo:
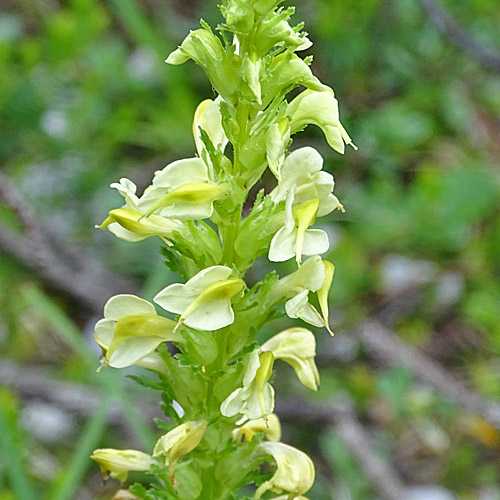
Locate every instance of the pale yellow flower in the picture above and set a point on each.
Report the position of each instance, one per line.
(204, 302)
(297, 347)
(294, 473)
(256, 398)
(118, 463)
(130, 332)
(270, 425)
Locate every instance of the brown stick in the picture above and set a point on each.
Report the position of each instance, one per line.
(382, 343)
(342, 416)
(438, 15)
(79, 278)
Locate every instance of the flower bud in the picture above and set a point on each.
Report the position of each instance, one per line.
(275, 30)
(208, 117)
(277, 139)
(118, 463)
(287, 70)
(132, 225)
(321, 109)
(180, 441)
(207, 51)
(250, 74)
(239, 15)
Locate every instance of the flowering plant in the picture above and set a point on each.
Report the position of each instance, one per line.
(219, 374)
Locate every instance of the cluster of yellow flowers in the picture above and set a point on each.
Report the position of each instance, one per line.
(221, 378)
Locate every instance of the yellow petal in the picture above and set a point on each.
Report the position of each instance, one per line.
(323, 292)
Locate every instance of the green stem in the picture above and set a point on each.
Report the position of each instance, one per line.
(230, 235)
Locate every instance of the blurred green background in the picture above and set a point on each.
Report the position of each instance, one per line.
(85, 99)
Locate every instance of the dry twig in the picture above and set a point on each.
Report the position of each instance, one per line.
(438, 15)
(342, 416)
(382, 343)
(67, 271)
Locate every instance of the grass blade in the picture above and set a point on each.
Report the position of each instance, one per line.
(19, 479)
(80, 461)
(63, 325)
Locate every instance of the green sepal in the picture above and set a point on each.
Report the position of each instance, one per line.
(264, 6)
(188, 245)
(204, 237)
(173, 260)
(227, 380)
(239, 16)
(254, 239)
(251, 313)
(138, 490)
(229, 122)
(285, 72)
(186, 384)
(189, 484)
(162, 425)
(271, 31)
(201, 347)
(220, 162)
(167, 406)
(236, 462)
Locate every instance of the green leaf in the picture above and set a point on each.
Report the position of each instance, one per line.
(189, 482)
(147, 382)
(201, 347)
(138, 490)
(172, 260)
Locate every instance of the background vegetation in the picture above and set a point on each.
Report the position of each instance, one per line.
(410, 383)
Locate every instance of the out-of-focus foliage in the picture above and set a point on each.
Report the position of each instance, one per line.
(85, 99)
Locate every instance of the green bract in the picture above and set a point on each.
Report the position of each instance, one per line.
(212, 230)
